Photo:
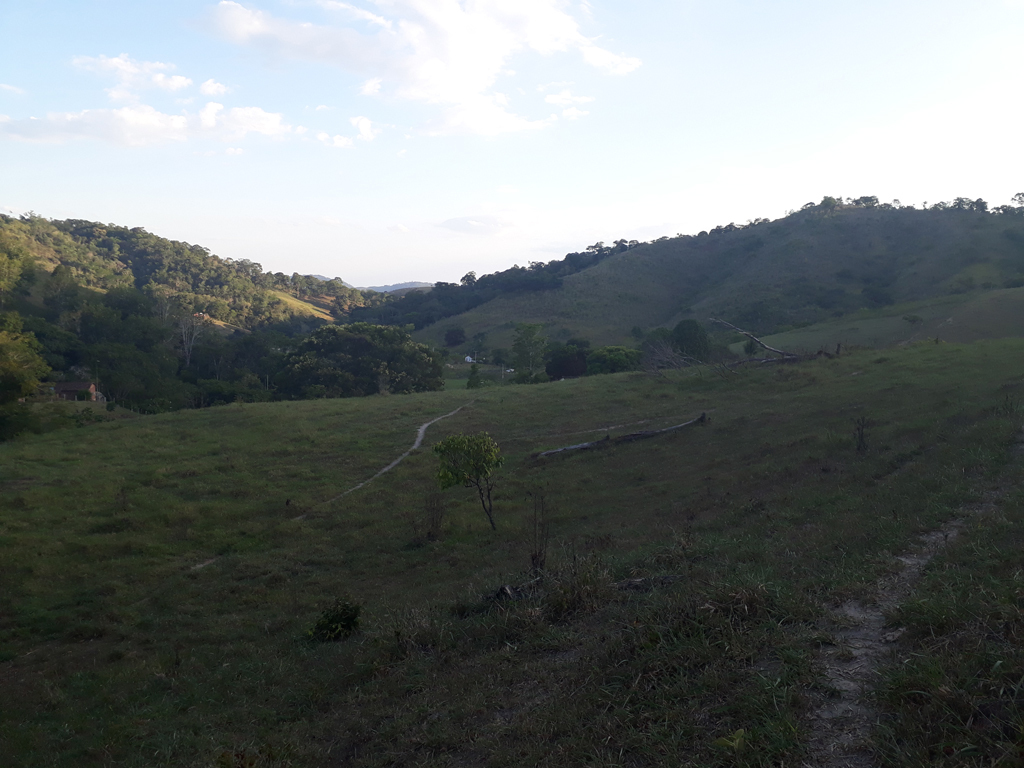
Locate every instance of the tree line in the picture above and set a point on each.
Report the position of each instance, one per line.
(159, 325)
(422, 308)
(535, 358)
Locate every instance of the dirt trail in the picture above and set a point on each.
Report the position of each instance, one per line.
(841, 725)
(420, 434)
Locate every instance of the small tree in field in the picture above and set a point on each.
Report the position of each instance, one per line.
(470, 461)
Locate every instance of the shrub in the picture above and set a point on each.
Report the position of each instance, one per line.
(470, 461)
(690, 338)
(582, 585)
(453, 337)
(613, 360)
(338, 622)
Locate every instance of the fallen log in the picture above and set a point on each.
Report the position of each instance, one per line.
(609, 440)
(754, 338)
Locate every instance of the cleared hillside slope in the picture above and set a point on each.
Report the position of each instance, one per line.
(962, 318)
(805, 268)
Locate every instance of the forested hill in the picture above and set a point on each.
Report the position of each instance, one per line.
(103, 257)
(422, 308)
(822, 261)
(158, 325)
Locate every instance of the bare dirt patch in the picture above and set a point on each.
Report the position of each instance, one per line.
(841, 724)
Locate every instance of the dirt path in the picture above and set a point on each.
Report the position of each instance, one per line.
(420, 434)
(841, 725)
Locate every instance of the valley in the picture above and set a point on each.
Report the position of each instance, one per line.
(819, 568)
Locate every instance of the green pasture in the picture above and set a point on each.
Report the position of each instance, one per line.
(961, 318)
(303, 307)
(794, 271)
(158, 575)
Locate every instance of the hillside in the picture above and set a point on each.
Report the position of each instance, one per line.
(300, 307)
(102, 257)
(962, 318)
(160, 574)
(813, 265)
(156, 324)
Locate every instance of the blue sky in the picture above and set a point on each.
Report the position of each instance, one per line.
(391, 140)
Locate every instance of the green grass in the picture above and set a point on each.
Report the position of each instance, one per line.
(962, 319)
(116, 652)
(786, 273)
(954, 693)
(301, 307)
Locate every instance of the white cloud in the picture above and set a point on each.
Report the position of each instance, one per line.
(240, 121)
(438, 52)
(141, 125)
(565, 99)
(234, 151)
(371, 86)
(212, 88)
(321, 108)
(10, 88)
(486, 116)
(334, 141)
(365, 127)
(399, 228)
(208, 115)
(133, 76)
(608, 61)
(476, 225)
(572, 113)
(172, 83)
(132, 126)
(359, 13)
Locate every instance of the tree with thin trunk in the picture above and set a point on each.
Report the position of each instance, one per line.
(470, 461)
(190, 327)
(528, 349)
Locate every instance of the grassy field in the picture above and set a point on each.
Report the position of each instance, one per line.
(158, 575)
(963, 319)
(303, 307)
(802, 269)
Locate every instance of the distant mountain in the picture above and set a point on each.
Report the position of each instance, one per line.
(326, 279)
(396, 287)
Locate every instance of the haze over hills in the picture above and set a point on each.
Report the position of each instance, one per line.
(396, 287)
(378, 288)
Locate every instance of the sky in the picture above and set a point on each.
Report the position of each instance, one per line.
(384, 141)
